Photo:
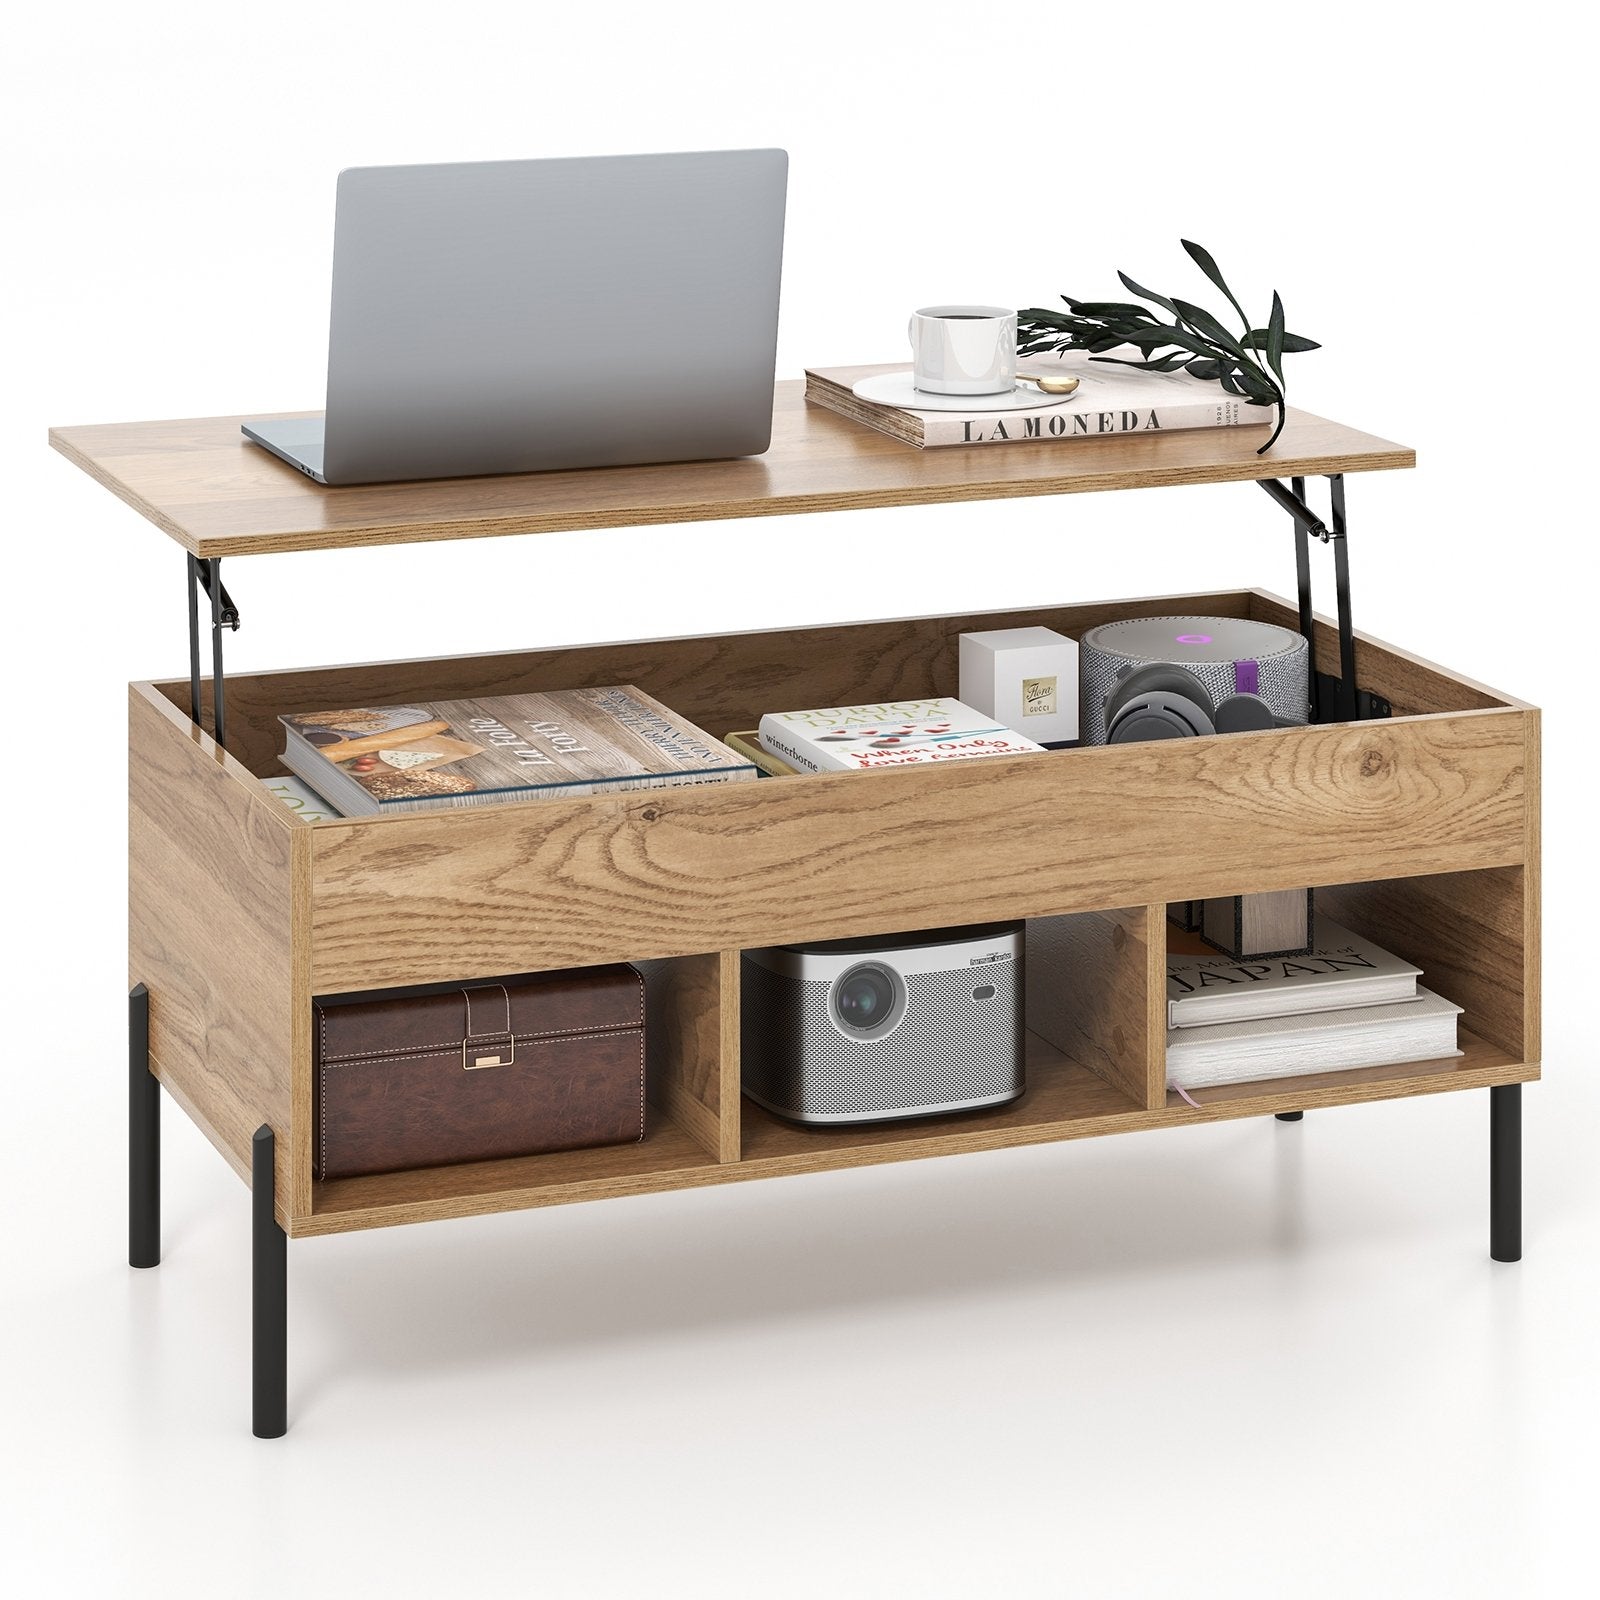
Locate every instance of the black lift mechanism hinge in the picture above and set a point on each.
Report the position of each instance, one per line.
(1333, 699)
(206, 575)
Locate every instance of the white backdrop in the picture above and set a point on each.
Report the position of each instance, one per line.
(1253, 1360)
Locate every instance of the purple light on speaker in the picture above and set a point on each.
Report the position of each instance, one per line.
(1194, 638)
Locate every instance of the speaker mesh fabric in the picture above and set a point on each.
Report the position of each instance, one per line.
(1284, 681)
(948, 1048)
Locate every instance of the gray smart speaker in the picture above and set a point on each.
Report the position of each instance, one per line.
(1222, 675)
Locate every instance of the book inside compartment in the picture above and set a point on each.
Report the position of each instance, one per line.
(1465, 933)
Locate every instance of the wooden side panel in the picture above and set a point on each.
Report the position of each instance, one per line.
(723, 683)
(1095, 991)
(730, 1097)
(692, 1009)
(1468, 931)
(218, 888)
(1532, 895)
(426, 898)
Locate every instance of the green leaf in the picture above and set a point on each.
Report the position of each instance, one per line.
(1202, 258)
(1293, 343)
(1161, 364)
(1202, 321)
(1147, 294)
(1119, 309)
(1275, 337)
(1254, 385)
(1181, 337)
(1205, 367)
(1229, 382)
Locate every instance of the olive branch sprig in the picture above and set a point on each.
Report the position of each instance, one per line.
(1249, 364)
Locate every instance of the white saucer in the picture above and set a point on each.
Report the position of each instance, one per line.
(898, 389)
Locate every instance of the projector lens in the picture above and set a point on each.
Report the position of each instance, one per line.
(866, 1000)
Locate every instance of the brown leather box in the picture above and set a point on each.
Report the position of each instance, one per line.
(421, 1077)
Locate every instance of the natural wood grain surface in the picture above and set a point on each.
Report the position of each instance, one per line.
(428, 897)
(202, 482)
(1096, 992)
(721, 682)
(1064, 1101)
(1467, 932)
(216, 873)
(692, 1022)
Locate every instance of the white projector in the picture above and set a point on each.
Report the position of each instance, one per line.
(867, 1030)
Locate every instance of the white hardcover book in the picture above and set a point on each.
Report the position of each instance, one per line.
(1423, 1029)
(898, 733)
(1109, 399)
(1342, 970)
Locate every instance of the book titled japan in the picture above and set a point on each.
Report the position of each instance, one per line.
(897, 733)
(1341, 970)
(555, 745)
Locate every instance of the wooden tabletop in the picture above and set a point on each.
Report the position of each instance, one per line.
(217, 494)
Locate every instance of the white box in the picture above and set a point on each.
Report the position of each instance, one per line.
(1026, 678)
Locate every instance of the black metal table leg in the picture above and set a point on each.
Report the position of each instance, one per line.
(1505, 1172)
(1288, 1116)
(269, 1297)
(144, 1138)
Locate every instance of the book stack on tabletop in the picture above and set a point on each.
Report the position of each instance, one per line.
(1108, 400)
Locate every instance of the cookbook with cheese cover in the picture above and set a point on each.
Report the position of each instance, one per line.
(555, 745)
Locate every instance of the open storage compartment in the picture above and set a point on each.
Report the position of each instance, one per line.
(1474, 937)
(1091, 1048)
(241, 912)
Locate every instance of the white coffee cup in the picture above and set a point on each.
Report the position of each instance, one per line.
(964, 349)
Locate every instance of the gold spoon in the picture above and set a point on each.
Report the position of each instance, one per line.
(1049, 385)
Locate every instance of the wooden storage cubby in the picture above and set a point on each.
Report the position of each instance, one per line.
(242, 912)
(1471, 934)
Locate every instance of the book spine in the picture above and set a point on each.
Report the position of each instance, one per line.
(1064, 424)
(901, 425)
(775, 740)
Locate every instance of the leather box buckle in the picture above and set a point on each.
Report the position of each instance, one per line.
(488, 1050)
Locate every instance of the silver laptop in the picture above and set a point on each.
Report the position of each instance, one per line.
(517, 316)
